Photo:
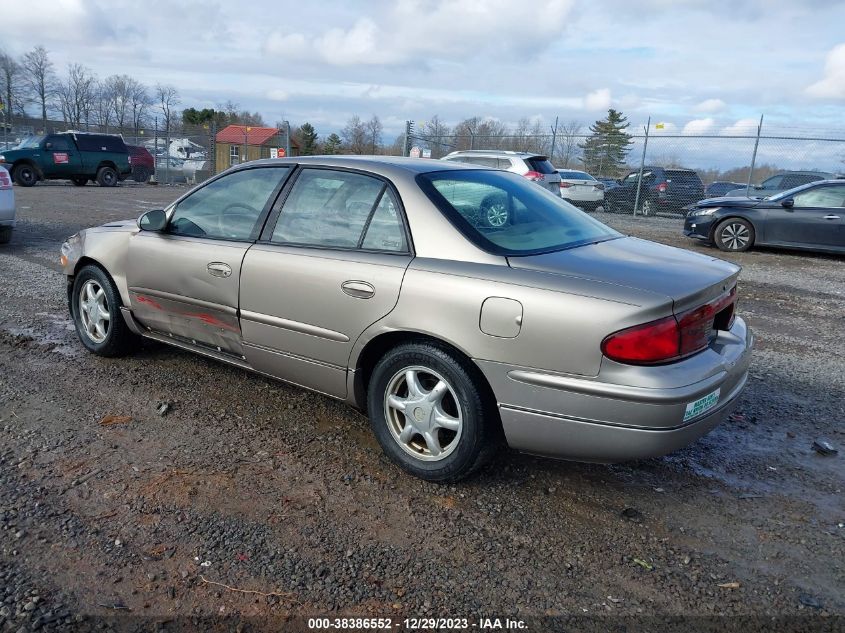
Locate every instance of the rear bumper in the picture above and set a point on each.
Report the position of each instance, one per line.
(590, 420)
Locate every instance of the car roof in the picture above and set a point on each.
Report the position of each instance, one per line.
(384, 165)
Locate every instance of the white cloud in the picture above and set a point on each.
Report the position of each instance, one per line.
(832, 85)
(710, 106)
(743, 127)
(598, 99)
(291, 46)
(412, 30)
(278, 95)
(699, 126)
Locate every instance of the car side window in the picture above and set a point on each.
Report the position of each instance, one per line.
(385, 232)
(58, 143)
(328, 208)
(229, 207)
(825, 197)
(773, 182)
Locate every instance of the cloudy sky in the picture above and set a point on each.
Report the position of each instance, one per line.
(708, 66)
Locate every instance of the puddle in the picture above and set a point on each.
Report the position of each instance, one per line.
(58, 336)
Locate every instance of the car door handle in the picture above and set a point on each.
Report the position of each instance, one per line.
(831, 217)
(219, 269)
(358, 289)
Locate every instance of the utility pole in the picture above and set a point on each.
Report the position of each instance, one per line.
(554, 138)
(287, 138)
(409, 130)
(642, 164)
(753, 158)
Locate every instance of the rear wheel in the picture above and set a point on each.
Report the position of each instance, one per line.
(648, 208)
(95, 308)
(734, 235)
(5, 234)
(79, 181)
(25, 175)
(141, 174)
(106, 177)
(428, 413)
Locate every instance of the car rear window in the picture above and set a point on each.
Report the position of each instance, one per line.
(505, 214)
(541, 164)
(93, 143)
(683, 176)
(576, 175)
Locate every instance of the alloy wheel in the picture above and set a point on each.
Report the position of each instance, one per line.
(497, 214)
(94, 311)
(423, 413)
(735, 236)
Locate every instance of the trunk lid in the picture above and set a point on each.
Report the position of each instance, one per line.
(689, 279)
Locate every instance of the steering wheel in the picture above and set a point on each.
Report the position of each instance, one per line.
(229, 213)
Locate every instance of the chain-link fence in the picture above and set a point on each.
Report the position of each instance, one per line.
(661, 169)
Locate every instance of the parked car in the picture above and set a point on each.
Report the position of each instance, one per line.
(143, 163)
(609, 183)
(721, 188)
(378, 281)
(809, 217)
(7, 206)
(779, 183)
(581, 189)
(75, 156)
(662, 190)
(534, 167)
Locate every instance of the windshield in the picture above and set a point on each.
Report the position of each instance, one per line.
(30, 142)
(506, 214)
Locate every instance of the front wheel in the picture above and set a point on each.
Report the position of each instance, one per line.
(25, 175)
(95, 308)
(428, 413)
(107, 177)
(734, 235)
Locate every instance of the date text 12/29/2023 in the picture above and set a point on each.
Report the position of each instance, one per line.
(415, 624)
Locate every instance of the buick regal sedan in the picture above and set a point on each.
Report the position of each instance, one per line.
(381, 282)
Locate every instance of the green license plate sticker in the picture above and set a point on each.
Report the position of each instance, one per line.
(701, 405)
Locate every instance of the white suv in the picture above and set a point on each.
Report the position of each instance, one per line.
(7, 206)
(535, 167)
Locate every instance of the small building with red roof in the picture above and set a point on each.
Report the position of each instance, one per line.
(236, 144)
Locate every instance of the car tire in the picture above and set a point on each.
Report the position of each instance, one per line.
(494, 211)
(107, 177)
(648, 208)
(5, 234)
(79, 181)
(457, 419)
(734, 235)
(141, 174)
(93, 296)
(25, 175)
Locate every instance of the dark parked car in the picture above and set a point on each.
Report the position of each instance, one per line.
(75, 156)
(143, 163)
(781, 182)
(662, 189)
(721, 188)
(810, 217)
(609, 183)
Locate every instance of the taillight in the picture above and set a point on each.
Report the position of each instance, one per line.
(5, 180)
(534, 176)
(662, 187)
(673, 337)
(565, 185)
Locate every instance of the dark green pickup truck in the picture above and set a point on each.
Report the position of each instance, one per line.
(75, 156)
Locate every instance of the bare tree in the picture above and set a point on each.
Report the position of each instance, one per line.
(167, 98)
(12, 85)
(569, 135)
(77, 95)
(374, 130)
(436, 133)
(104, 104)
(40, 78)
(140, 102)
(354, 135)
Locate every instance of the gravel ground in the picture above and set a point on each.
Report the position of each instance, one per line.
(252, 499)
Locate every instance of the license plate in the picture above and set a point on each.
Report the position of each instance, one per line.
(697, 407)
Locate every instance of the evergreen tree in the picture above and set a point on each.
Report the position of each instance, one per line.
(332, 144)
(605, 150)
(307, 137)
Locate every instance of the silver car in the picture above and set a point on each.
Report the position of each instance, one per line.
(7, 206)
(382, 282)
(534, 167)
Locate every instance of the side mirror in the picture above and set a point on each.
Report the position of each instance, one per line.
(788, 203)
(48, 146)
(154, 220)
